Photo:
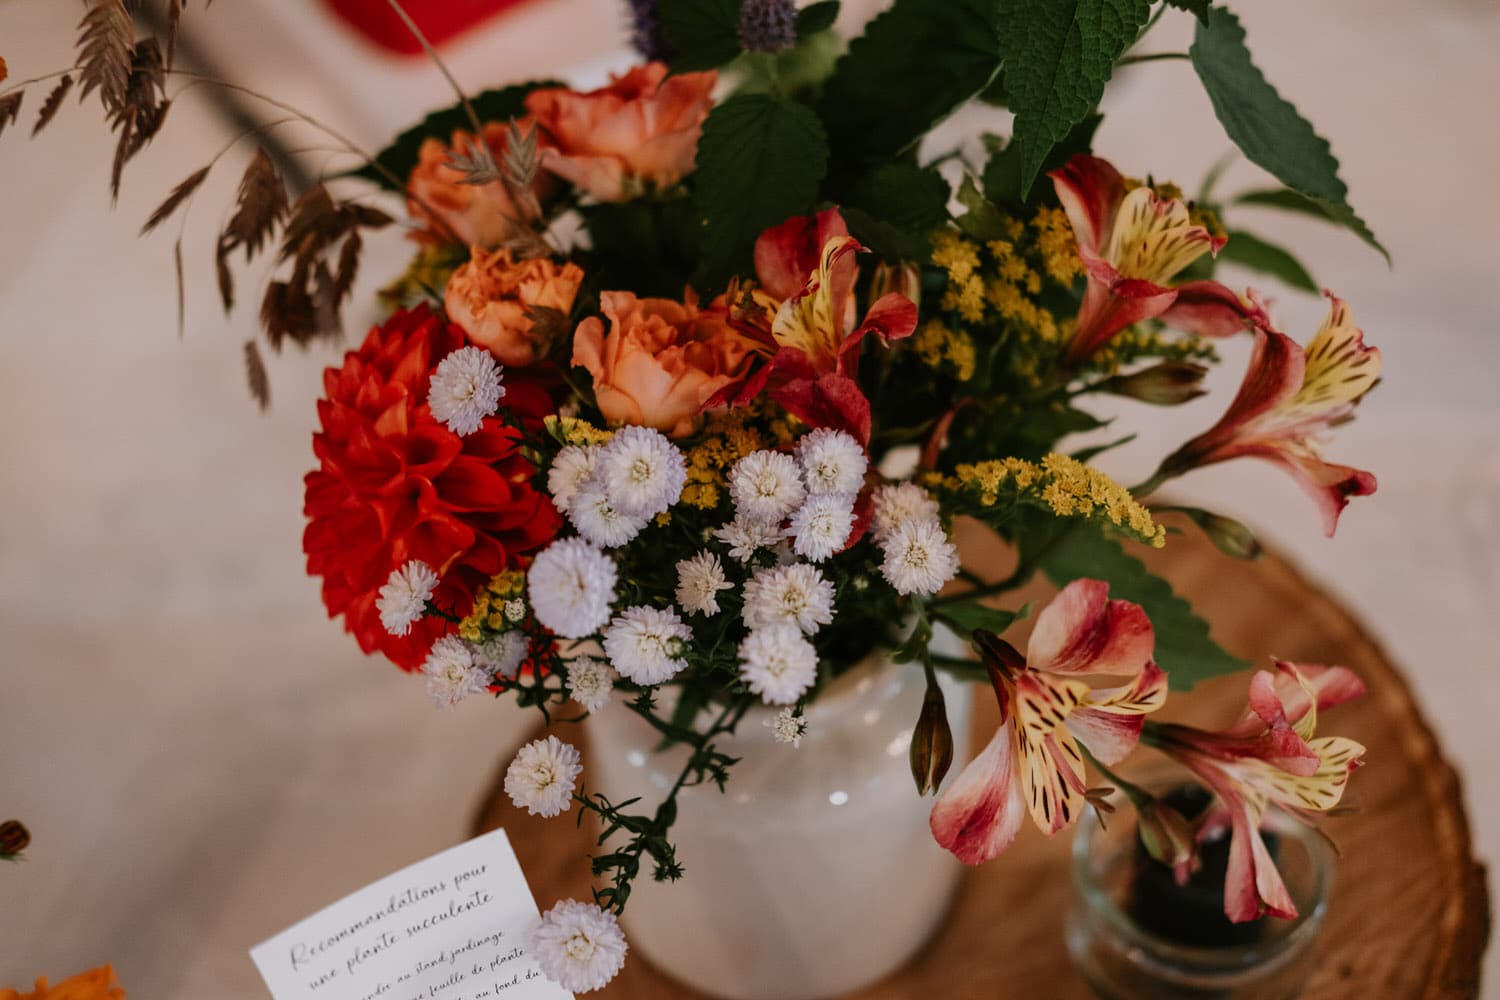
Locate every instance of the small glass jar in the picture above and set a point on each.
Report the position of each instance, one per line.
(1124, 960)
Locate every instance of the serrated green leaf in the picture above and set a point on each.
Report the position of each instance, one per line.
(965, 617)
(704, 34)
(1266, 127)
(1059, 54)
(909, 199)
(491, 106)
(1198, 8)
(760, 161)
(915, 63)
(817, 17)
(981, 219)
(1003, 172)
(1255, 253)
(1183, 646)
(1284, 199)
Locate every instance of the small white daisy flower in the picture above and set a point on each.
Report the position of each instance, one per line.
(590, 681)
(542, 777)
(796, 594)
(572, 467)
(766, 486)
(787, 726)
(745, 538)
(778, 663)
(898, 503)
(515, 610)
(402, 601)
(452, 674)
(571, 586)
(503, 654)
(645, 644)
(599, 520)
(821, 525)
(699, 580)
(832, 462)
(579, 946)
(919, 558)
(465, 389)
(643, 473)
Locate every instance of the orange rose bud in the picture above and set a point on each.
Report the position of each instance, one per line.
(96, 984)
(476, 214)
(660, 361)
(515, 309)
(931, 742)
(642, 128)
(14, 838)
(1167, 384)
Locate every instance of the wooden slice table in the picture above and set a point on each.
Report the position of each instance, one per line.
(1409, 917)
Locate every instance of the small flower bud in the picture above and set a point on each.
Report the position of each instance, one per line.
(904, 279)
(1228, 535)
(931, 742)
(1167, 384)
(768, 25)
(1167, 836)
(14, 838)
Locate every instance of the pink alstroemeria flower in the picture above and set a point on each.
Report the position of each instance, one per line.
(804, 317)
(1270, 756)
(1047, 708)
(1288, 399)
(1132, 243)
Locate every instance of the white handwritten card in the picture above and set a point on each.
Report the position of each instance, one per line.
(452, 927)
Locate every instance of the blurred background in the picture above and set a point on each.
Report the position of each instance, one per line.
(204, 759)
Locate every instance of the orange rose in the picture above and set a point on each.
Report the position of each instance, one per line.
(96, 984)
(491, 298)
(476, 214)
(642, 127)
(661, 361)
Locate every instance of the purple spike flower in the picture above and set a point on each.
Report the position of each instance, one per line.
(768, 25)
(645, 31)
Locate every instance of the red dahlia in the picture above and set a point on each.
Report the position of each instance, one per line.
(395, 484)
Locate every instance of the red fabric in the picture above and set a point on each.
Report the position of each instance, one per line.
(440, 20)
(394, 484)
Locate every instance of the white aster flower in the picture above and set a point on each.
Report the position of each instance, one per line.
(821, 525)
(572, 467)
(898, 503)
(766, 486)
(796, 594)
(699, 580)
(787, 726)
(452, 674)
(542, 777)
(919, 558)
(778, 663)
(645, 644)
(832, 462)
(590, 681)
(515, 610)
(465, 389)
(571, 586)
(745, 538)
(502, 654)
(643, 472)
(599, 520)
(402, 601)
(579, 946)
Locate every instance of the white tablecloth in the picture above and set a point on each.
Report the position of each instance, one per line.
(203, 759)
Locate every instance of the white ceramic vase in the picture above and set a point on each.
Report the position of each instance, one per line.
(814, 873)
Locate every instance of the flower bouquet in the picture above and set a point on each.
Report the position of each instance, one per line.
(690, 377)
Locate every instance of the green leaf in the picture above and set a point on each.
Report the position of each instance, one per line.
(1183, 646)
(965, 617)
(1265, 126)
(897, 207)
(1284, 199)
(705, 34)
(491, 106)
(1198, 8)
(1267, 258)
(1059, 54)
(981, 220)
(817, 17)
(760, 161)
(915, 63)
(1003, 173)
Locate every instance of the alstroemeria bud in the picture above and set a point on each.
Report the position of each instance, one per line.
(931, 742)
(1228, 535)
(904, 279)
(1167, 384)
(14, 837)
(1167, 836)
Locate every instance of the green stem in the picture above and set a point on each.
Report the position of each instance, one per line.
(1145, 489)
(1152, 57)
